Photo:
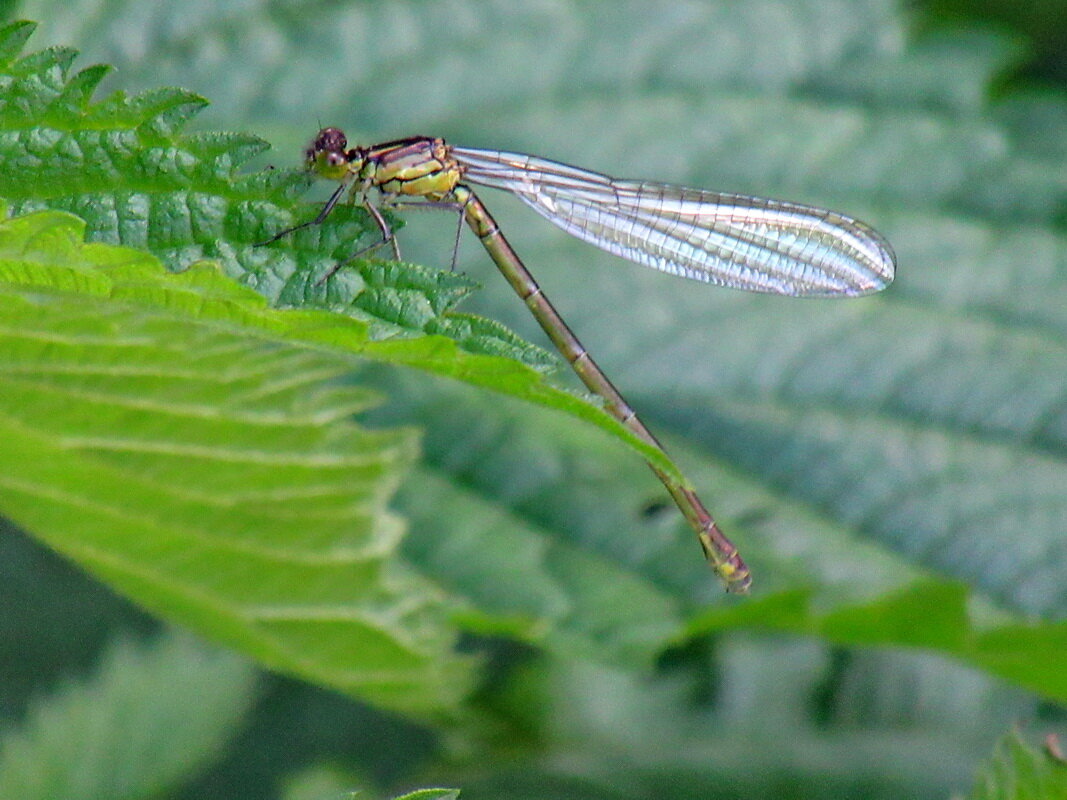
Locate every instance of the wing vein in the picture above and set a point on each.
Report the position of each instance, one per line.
(732, 240)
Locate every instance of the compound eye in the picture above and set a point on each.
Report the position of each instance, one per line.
(330, 140)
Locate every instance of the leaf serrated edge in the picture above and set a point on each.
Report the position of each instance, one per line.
(78, 92)
(237, 147)
(167, 110)
(57, 57)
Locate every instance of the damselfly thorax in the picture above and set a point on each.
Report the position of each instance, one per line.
(415, 167)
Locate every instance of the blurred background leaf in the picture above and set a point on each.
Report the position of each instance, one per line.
(1042, 24)
(147, 716)
(855, 449)
(1018, 771)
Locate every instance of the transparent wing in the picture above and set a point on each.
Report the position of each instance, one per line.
(728, 239)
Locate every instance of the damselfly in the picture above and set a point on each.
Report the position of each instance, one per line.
(727, 239)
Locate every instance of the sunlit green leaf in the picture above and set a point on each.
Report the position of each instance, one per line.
(164, 432)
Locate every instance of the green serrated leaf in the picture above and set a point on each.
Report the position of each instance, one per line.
(165, 111)
(121, 167)
(79, 89)
(146, 721)
(118, 417)
(169, 439)
(51, 63)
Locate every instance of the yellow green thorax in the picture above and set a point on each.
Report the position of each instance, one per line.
(420, 167)
(417, 167)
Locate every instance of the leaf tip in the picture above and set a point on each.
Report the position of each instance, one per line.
(13, 38)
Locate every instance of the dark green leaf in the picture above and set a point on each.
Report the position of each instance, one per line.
(145, 722)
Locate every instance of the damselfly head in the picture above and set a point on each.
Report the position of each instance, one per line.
(327, 155)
